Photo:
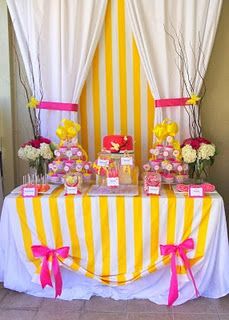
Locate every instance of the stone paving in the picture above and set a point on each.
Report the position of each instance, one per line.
(19, 306)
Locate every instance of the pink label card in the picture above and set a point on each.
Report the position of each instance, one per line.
(195, 191)
(29, 192)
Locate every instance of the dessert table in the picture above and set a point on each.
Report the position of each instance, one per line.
(114, 244)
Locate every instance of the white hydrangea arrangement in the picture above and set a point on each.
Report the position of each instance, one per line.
(198, 153)
(38, 153)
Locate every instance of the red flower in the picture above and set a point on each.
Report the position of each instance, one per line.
(195, 142)
(37, 142)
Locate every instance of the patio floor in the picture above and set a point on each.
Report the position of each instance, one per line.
(19, 306)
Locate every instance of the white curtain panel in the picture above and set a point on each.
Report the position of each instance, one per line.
(57, 40)
(194, 23)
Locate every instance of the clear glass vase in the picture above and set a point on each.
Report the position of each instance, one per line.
(198, 173)
(40, 167)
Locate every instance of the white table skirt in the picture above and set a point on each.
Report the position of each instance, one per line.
(211, 276)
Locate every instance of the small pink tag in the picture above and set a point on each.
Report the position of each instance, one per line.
(29, 192)
(196, 191)
(153, 190)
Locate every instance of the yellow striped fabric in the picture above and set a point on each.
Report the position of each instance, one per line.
(116, 98)
(114, 240)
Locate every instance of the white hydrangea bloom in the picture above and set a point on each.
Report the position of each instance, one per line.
(31, 153)
(45, 150)
(189, 154)
(206, 151)
(21, 154)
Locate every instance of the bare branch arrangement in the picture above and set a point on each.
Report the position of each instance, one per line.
(189, 82)
(34, 114)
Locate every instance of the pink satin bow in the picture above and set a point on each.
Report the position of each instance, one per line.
(181, 251)
(45, 275)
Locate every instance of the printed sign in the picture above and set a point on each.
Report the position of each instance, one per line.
(103, 162)
(113, 182)
(154, 190)
(196, 191)
(126, 161)
(71, 190)
(29, 192)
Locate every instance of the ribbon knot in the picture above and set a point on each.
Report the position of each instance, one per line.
(48, 254)
(179, 250)
(193, 99)
(33, 102)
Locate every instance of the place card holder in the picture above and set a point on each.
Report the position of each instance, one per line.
(127, 161)
(153, 190)
(112, 181)
(196, 191)
(71, 190)
(29, 192)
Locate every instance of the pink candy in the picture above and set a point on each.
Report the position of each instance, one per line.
(208, 187)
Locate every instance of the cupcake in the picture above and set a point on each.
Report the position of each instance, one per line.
(59, 164)
(87, 177)
(53, 178)
(154, 163)
(180, 178)
(63, 149)
(74, 150)
(175, 164)
(70, 163)
(168, 178)
(159, 147)
(169, 149)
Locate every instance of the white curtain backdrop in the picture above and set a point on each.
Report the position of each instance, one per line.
(195, 23)
(57, 40)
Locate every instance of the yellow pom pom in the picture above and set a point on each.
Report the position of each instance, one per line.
(172, 129)
(71, 132)
(61, 133)
(77, 126)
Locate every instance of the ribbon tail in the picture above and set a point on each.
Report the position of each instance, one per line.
(173, 290)
(45, 277)
(188, 267)
(57, 276)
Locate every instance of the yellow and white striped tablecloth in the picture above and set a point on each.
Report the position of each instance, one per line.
(113, 239)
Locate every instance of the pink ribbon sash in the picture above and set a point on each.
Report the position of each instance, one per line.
(59, 106)
(174, 102)
(181, 251)
(44, 252)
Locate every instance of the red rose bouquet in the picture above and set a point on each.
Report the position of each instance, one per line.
(198, 153)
